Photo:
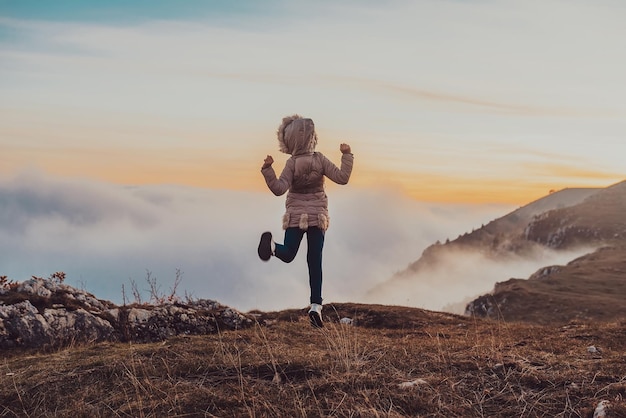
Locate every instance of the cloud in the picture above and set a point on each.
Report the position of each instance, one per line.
(469, 103)
(460, 277)
(31, 198)
(103, 234)
(435, 46)
(571, 171)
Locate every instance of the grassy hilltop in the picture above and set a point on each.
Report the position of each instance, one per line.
(390, 362)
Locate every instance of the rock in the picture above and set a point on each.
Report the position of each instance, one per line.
(34, 287)
(41, 313)
(602, 409)
(346, 321)
(78, 325)
(22, 325)
(412, 383)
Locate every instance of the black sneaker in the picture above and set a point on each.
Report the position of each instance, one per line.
(265, 246)
(315, 315)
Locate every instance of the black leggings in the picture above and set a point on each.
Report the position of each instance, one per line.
(315, 244)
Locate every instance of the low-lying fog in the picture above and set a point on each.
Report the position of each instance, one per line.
(103, 236)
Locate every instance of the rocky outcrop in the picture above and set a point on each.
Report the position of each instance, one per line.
(43, 313)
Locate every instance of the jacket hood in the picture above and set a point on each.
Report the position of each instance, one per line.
(296, 135)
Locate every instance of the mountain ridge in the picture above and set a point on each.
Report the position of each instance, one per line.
(580, 219)
(499, 236)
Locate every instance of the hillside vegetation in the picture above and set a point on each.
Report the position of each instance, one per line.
(382, 361)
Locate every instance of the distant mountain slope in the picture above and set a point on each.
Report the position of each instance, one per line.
(600, 218)
(503, 235)
(570, 221)
(514, 223)
(592, 287)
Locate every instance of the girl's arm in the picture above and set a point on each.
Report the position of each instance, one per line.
(339, 175)
(278, 186)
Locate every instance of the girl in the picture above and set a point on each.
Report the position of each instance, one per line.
(307, 204)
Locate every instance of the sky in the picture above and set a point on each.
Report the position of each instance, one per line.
(448, 101)
(132, 132)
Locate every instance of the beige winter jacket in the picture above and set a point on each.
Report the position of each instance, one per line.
(303, 175)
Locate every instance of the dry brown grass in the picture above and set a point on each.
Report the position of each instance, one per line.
(394, 362)
(592, 287)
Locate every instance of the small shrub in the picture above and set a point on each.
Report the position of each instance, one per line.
(5, 283)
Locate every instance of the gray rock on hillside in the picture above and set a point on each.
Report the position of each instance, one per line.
(43, 313)
(22, 325)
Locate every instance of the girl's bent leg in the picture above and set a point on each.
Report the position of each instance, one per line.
(315, 243)
(287, 251)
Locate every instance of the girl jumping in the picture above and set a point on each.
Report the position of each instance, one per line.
(307, 203)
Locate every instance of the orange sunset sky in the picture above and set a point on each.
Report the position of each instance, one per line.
(445, 101)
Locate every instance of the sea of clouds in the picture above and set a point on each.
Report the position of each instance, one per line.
(106, 236)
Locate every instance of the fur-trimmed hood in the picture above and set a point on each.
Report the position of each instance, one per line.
(296, 135)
